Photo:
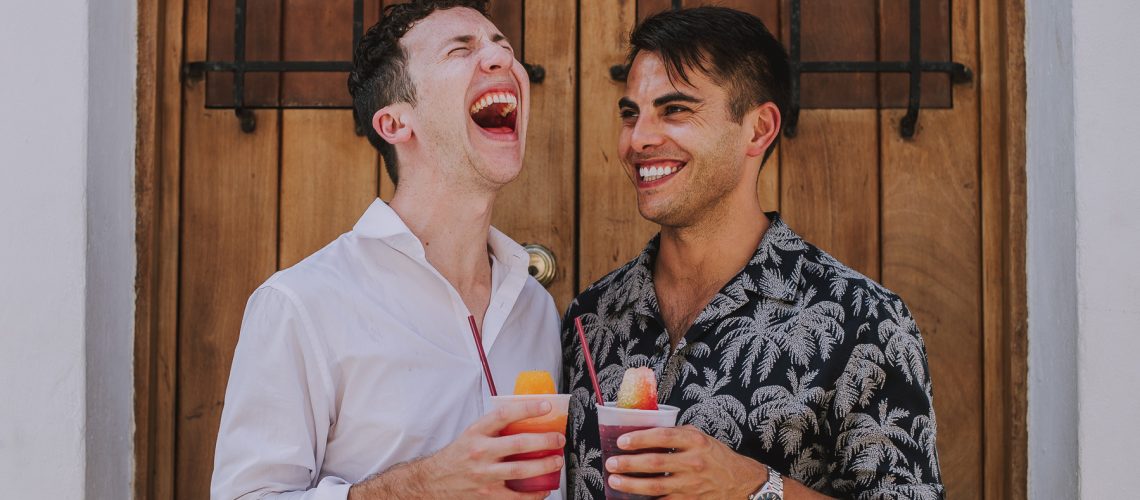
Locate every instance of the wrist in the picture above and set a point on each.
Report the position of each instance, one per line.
(753, 477)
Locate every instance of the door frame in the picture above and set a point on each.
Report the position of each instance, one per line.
(1001, 87)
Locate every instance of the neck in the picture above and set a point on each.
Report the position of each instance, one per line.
(715, 248)
(453, 225)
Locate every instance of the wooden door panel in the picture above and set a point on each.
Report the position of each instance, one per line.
(228, 246)
(329, 176)
(611, 230)
(931, 246)
(319, 30)
(538, 207)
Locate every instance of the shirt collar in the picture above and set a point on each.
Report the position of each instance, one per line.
(382, 223)
(774, 271)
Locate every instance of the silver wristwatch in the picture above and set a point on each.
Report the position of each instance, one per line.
(772, 489)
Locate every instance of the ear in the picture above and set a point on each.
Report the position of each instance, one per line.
(392, 123)
(765, 124)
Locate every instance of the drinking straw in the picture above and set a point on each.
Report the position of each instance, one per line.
(482, 355)
(589, 360)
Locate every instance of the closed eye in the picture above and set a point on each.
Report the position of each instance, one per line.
(459, 51)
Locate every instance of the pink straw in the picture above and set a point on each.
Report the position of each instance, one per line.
(482, 355)
(589, 360)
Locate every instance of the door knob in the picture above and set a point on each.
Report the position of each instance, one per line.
(542, 264)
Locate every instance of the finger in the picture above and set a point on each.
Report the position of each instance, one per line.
(647, 463)
(528, 442)
(649, 486)
(678, 438)
(491, 423)
(523, 469)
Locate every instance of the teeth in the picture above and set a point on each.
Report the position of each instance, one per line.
(649, 174)
(496, 98)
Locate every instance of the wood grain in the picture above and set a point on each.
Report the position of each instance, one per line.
(1002, 91)
(830, 185)
(328, 179)
(156, 282)
(830, 170)
(229, 246)
(538, 207)
(932, 255)
(611, 229)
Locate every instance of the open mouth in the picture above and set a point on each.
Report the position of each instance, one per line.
(658, 170)
(496, 112)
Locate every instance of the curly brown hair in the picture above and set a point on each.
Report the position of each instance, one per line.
(379, 74)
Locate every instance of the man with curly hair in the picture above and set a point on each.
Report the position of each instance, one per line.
(356, 374)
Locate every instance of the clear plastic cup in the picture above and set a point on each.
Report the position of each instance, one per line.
(555, 421)
(613, 422)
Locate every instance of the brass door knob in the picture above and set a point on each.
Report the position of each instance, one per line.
(542, 264)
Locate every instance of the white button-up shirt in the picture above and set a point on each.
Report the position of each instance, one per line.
(360, 357)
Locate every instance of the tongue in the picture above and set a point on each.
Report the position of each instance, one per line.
(492, 120)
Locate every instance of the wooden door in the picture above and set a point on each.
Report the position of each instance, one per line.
(233, 207)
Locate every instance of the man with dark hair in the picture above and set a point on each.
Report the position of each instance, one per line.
(796, 376)
(356, 373)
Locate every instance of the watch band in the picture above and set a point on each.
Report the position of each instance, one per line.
(772, 489)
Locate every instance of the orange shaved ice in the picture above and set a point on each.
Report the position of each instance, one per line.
(535, 382)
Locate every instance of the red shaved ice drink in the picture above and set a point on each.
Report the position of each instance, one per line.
(531, 386)
(636, 409)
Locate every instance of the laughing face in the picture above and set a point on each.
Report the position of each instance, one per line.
(680, 146)
(473, 97)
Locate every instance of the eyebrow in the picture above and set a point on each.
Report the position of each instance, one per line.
(675, 97)
(467, 39)
(626, 102)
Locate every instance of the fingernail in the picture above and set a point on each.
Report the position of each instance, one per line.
(611, 464)
(558, 461)
(623, 442)
(615, 481)
(544, 406)
(561, 440)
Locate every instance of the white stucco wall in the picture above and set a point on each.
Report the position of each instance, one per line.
(1051, 250)
(1084, 293)
(66, 248)
(1106, 44)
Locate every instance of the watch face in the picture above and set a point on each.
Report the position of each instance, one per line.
(769, 496)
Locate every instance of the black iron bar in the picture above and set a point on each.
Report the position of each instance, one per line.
(357, 23)
(795, 69)
(909, 123)
(245, 117)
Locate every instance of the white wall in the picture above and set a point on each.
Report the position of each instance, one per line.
(111, 247)
(1084, 233)
(66, 248)
(1105, 47)
(1051, 250)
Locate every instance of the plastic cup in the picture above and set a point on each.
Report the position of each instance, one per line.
(555, 421)
(613, 422)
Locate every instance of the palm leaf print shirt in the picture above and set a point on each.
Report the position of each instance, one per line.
(799, 362)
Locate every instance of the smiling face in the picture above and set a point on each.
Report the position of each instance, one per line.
(473, 97)
(682, 149)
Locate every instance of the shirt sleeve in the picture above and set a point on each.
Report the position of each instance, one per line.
(277, 411)
(882, 418)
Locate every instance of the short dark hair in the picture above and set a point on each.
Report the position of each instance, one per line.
(731, 47)
(379, 74)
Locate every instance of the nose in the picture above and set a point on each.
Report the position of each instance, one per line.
(495, 57)
(646, 134)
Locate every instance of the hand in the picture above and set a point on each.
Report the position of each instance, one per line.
(701, 467)
(472, 466)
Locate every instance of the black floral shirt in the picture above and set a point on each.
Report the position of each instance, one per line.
(798, 362)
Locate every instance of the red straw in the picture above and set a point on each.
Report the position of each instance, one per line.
(589, 360)
(482, 355)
